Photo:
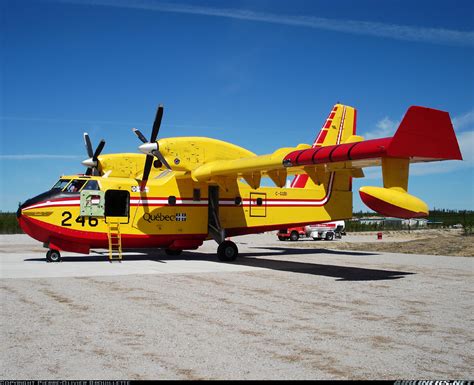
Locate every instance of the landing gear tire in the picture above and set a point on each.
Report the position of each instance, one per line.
(294, 236)
(53, 256)
(227, 251)
(329, 236)
(173, 252)
(282, 238)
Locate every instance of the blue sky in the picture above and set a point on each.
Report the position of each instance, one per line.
(260, 74)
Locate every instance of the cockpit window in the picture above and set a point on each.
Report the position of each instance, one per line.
(91, 185)
(60, 184)
(75, 185)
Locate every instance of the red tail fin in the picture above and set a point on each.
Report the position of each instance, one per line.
(425, 133)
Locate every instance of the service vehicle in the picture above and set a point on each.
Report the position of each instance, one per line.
(327, 230)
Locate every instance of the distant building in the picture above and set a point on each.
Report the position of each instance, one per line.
(394, 222)
(415, 222)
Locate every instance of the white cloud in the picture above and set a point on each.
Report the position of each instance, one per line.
(463, 121)
(384, 128)
(392, 31)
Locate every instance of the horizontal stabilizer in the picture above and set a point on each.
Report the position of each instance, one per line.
(423, 135)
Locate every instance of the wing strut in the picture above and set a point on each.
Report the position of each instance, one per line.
(214, 225)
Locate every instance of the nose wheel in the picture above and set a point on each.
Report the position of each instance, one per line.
(53, 256)
(227, 251)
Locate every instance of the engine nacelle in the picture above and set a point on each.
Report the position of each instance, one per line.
(393, 202)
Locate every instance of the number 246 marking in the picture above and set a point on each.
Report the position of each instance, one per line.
(82, 220)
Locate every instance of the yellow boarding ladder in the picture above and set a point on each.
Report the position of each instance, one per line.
(115, 241)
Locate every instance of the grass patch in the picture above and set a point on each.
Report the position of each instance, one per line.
(9, 224)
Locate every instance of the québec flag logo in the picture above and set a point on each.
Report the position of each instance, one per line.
(180, 217)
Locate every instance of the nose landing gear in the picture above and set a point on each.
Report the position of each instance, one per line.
(53, 256)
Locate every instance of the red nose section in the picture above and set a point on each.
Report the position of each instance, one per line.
(32, 227)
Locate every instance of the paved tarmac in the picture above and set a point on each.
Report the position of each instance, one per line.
(279, 312)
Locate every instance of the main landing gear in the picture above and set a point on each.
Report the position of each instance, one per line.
(227, 251)
(53, 256)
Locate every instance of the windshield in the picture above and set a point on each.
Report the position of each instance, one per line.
(91, 185)
(75, 185)
(60, 184)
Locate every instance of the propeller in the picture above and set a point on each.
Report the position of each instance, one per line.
(93, 162)
(151, 148)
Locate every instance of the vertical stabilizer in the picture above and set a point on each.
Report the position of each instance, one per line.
(338, 127)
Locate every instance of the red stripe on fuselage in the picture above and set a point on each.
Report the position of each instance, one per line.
(43, 232)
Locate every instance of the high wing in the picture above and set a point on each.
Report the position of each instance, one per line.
(337, 155)
(424, 135)
(338, 128)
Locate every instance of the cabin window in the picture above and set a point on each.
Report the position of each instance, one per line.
(60, 184)
(238, 201)
(91, 185)
(75, 185)
(259, 201)
(172, 200)
(196, 194)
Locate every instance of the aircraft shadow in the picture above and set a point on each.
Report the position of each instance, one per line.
(341, 272)
(254, 259)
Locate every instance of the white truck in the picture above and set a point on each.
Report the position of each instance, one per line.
(327, 231)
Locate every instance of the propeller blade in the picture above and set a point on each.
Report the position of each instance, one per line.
(146, 171)
(140, 135)
(98, 150)
(151, 148)
(162, 159)
(88, 171)
(88, 144)
(157, 123)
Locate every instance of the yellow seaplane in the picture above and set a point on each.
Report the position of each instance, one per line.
(182, 191)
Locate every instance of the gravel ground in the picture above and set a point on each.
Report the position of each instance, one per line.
(433, 242)
(282, 311)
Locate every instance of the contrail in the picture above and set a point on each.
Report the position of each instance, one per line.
(357, 27)
(38, 156)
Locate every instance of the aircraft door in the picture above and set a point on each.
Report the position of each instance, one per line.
(258, 204)
(117, 205)
(92, 203)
